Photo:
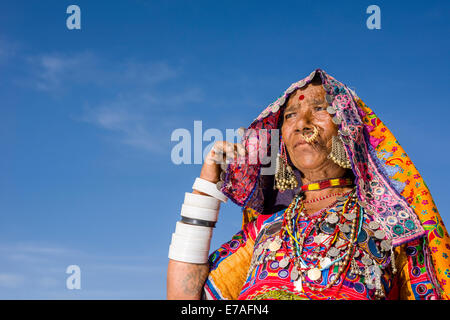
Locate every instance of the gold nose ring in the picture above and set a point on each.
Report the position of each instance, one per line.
(312, 137)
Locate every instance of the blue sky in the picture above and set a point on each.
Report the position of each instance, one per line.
(86, 117)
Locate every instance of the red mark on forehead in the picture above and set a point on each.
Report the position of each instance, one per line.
(301, 97)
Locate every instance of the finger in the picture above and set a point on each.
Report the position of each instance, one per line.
(224, 152)
(241, 149)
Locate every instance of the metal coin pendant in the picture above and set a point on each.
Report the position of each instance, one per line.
(274, 245)
(314, 274)
(339, 243)
(284, 262)
(374, 225)
(370, 286)
(385, 245)
(327, 228)
(333, 252)
(329, 98)
(380, 234)
(325, 262)
(331, 110)
(294, 273)
(332, 218)
(345, 228)
(377, 270)
(336, 120)
(318, 239)
(366, 260)
(350, 216)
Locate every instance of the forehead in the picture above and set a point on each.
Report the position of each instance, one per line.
(311, 93)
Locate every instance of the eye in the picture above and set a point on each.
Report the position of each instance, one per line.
(288, 115)
(319, 108)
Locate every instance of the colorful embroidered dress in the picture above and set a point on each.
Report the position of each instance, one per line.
(271, 279)
(401, 249)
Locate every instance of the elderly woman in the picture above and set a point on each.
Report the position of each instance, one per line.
(345, 215)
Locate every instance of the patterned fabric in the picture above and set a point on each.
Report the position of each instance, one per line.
(234, 260)
(270, 281)
(389, 187)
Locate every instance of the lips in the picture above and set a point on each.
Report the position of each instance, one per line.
(300, 142)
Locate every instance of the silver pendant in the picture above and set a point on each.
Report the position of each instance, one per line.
(318, 239)
(349, 216)
(361, 203)
(333, 252)
(314, 274)
(377, 270)
(345, 228)
(374, 225)
(294, 273)
(339, 243)
(329, 98)
(366, 261)
(336, 120)
(284, 262)
(331, 110)
(370, 286)
(332, 218)
(385, 245)
(325, 263)
(275, 245)
(380, 234)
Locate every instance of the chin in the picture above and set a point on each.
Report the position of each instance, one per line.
(310, 163)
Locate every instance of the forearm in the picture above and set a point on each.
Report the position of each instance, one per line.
(188, 265)
(185, 281)
(188, 253)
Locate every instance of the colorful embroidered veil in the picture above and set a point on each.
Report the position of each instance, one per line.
(388, 184)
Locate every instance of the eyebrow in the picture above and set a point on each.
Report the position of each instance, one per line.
(314, 101)
(289, 108)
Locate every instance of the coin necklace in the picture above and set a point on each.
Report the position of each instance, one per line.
(314, 272)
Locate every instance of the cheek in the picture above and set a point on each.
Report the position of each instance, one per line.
(285, 131)
(286, 135)
(327, 126)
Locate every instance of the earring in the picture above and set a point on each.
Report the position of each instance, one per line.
(338, 154)
(284, 175)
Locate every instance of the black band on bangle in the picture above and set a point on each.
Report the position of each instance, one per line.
(198, 222)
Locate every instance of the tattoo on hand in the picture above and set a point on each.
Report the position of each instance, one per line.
(194, 280)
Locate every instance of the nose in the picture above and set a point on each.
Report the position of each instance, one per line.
(304, 123)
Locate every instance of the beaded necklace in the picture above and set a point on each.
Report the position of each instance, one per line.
(328, 249)
(324, 197)
(318, 262)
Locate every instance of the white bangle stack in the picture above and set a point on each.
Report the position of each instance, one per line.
(199, 214)
(209, 188)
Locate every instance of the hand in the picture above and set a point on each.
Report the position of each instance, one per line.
(222, 152)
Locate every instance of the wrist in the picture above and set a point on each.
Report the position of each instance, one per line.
(209, 176)
(199, 213)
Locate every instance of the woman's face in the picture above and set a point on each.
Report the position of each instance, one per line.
(305, 109)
